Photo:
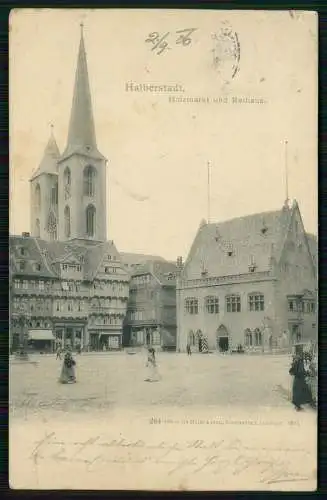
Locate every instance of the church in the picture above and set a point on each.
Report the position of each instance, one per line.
(249, 284)
(67, 281)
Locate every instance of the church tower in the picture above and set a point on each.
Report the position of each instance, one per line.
(44, 194)
(82, 168)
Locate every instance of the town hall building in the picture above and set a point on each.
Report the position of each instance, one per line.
(67, 281)
(249, 283)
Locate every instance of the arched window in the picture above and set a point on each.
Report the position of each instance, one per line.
(38, 197)
(191, 338)
(54, 195)
(67, 182)
(89, 181)
(37, 228)
(257, 337)
(90, 221)
(248, 338)
(67, 221)
(52, 226)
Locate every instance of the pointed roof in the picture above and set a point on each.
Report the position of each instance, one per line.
(49, 163)
(81, 134)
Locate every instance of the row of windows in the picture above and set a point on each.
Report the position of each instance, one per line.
(22, 266)
(70, 306)
(106, 302)
(71, 267)
(140, 280)
(32, 305)
(106, 320)
(110, 270)
(233, 303)
(141, 315)
(118, 286)
(307, 306)
(35, 323)
(26, 284)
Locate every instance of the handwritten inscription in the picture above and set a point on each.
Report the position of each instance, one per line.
(160, 43)
(222, 456)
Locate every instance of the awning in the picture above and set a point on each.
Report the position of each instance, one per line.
(40, 335)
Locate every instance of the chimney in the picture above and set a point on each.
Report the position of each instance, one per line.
(26, 235)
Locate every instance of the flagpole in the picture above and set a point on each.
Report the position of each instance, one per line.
(286, 172)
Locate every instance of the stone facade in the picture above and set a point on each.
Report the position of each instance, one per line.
(151, 310)
(249, 282)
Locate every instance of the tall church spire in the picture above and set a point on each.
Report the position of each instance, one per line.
(81, 134)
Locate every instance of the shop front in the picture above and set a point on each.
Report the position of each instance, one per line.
(41, 341)
(105, 341)
(70, 335)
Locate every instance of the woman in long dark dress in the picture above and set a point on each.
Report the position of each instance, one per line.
(301, 393)
(67, 375)
(153, 374)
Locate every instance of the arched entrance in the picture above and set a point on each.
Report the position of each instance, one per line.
(191, 338)
(222, 339)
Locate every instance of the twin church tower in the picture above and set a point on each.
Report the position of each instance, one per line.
(68, 190)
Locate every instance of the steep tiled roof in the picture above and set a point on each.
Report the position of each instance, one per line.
(138, 258)
(48, 253)
(32, 255)
(164, 271)
(228, 248)
(313, 247)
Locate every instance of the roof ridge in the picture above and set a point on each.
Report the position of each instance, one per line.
(212, 224)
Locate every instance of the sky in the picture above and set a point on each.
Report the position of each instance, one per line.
(157, 150)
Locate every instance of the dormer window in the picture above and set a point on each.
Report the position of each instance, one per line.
(264, 230)
(36, 266)
(204, 272)
(22, 251)
(230, 253)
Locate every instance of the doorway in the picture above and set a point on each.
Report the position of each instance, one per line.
(222, 338)
(223, 344)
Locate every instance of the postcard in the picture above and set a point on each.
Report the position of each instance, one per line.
(163, 250)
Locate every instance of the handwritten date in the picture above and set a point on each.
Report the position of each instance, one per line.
(160, 43)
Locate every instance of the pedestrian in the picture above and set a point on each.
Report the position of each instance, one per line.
(153, 374)
(311, 370)
(188, 349)
(67, 375)
(301, 393)
(58, 353)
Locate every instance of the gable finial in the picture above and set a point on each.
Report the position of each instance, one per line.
(82, 28)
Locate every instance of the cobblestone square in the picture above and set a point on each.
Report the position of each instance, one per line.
(117, 380)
